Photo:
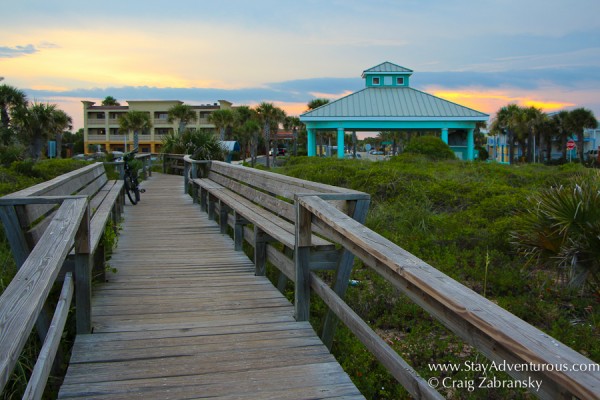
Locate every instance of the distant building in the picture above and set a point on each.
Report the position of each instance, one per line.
(101, 124)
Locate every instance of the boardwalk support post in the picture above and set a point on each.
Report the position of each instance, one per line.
(223, 216)
(302, 262)
(260, 251)
(238, 231)
(83, 276)
(212, 200)
(358, 211)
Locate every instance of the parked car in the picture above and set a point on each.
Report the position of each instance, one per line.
(592, 154)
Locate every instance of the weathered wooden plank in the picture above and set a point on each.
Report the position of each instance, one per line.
(102, 213)
(14, 234)
(400, 369)
(279, 184)
(66, 184)
(210, 362)
(194, 322)
(308, 381)
(277, 206)
(43, 366)
(24, 297)
(302, 263)
(500, 335)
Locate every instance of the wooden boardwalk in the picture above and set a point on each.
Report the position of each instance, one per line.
(184, 317)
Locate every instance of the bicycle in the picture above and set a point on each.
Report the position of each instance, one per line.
(130, 177)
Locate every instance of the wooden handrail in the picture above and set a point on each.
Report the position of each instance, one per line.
(21, 302)
(498, 334)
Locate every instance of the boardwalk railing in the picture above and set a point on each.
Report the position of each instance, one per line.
(502, 337)
(23, 299)
(145, 158)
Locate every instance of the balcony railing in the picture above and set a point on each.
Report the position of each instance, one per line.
(96, 138)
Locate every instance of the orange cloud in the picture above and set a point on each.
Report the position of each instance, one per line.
(490, 101)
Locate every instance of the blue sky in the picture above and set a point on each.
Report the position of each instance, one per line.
(482, 54)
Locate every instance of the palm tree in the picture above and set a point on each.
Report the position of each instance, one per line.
(250, 130)
(293, 123)
(546, 131)
(110, 101)
(10, 99)
(244, 119)
(221, 119)
(35, 124)
(182, 113)
(578, 120)
(533, 118)
(509, 121)
(62, 122)
(135, 121)
(561, 229)
(270, 117)
(561, 121)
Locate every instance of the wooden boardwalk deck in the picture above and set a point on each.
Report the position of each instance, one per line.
(184, 317)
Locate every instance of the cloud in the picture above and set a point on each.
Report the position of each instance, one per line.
(532, 79)
(547, 88)
(17, 51)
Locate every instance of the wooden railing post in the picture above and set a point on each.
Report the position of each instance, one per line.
(194, 173)
(212, 201)
(14, 234)
(121, 168)
(260, 251)
(358, 213)
(238, 231)
(83, 276)
(302, 262)
(223, 217)
(186, 179)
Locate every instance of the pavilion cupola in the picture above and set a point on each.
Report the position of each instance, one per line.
(387, 74)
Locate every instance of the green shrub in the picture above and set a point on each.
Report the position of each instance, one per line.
(11, 153)
(430, 146)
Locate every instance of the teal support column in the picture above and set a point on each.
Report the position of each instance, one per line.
(311, 145)
(445, 135)
(471, 144)
(340, 142)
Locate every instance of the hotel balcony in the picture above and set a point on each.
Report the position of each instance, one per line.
(96, 138)
(162, 122)
(96, 121)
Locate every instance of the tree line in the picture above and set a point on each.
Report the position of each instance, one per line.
(25, 125)
(534, 131)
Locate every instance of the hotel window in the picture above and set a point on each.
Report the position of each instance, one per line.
(376, 81)
(387, 80)
(400, 81)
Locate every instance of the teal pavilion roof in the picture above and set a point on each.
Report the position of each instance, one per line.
(391, 102)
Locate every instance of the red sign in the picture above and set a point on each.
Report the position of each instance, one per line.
(571, 144)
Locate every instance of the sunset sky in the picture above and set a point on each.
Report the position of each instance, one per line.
(481, 54)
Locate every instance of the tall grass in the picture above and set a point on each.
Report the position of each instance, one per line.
(458, 217)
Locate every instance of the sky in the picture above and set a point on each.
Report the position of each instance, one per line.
(482, 54)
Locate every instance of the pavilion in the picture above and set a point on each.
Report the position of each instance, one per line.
(388, 103)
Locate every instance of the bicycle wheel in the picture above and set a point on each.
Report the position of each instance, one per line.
(132, 191)
(136, 188)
